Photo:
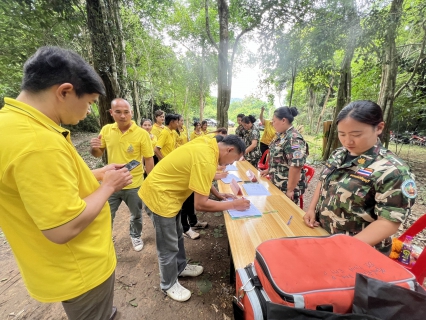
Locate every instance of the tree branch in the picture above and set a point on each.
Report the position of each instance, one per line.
(422, 48)
(209, 35)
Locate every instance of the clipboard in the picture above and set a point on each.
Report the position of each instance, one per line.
(235, 187)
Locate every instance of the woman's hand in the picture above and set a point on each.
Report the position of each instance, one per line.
(290, 194)
(309, 219)
(264, 173)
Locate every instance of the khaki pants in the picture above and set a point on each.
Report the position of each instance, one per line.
(95, 304)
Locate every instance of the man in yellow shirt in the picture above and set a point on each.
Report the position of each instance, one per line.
(191, 168)
(125, 141)
(268, 133)
(167, 141)
(53, 212)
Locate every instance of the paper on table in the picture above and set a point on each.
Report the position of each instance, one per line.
(229, 178)
(251, 212)
(231, 167)
(255, 189)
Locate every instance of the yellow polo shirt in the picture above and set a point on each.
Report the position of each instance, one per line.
(43, 185)
(153, 140)
(182, 138)
(133, 144)
(156, 130)
(268, 133)
(195, 135)
(167, 141)
(191, 168)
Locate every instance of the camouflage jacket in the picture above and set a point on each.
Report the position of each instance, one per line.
(250, 135)
(356, 192)
(288, 149)
(240, 131)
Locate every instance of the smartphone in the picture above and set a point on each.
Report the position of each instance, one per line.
(132, 164)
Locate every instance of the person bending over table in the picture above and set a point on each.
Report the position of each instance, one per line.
(365, 190)
(190, 168)
(251, 139)
(287, 155)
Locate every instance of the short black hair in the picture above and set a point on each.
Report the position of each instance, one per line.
(364, 111)
(235, 141)
(241, 115)
(51, 66)
(249, 119)
(219, 138)
(170, 117)
(203, 122)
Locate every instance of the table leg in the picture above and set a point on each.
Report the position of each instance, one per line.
(231, 266)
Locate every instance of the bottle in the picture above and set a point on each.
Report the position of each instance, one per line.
(407, 247)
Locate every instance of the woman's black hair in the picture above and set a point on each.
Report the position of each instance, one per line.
(249, 119)
(170, 117)
(203, 122)
(219, 138)
(286, 112)
(196, 123)
(143, 120)
(241, 115)
(364, 111)
(178, 117)
(235, 141)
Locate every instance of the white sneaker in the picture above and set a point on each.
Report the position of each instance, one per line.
(137, 243)
(191, 270)
(178, 293)
(191, 234)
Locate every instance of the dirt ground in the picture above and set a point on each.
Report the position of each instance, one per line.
(137, 293)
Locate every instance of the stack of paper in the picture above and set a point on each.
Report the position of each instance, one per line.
(255, 189)
(251, 212)
(229, 178)
(231, 167)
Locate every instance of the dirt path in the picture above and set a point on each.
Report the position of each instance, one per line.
(137, 293)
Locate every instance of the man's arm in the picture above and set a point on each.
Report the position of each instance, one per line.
(262, 109)
(113, 181)
(158, 153)
(149, 164)
(203, 203)
(293, 180)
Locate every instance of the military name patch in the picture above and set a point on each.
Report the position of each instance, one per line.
(297, 155)
(365, 172)
(360, 178)
(409, 189)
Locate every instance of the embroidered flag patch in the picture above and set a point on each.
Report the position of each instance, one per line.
(365, 172)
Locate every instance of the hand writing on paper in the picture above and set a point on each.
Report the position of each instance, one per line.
(309, 219)
(220, 175)
(264, 173)
(241, 204)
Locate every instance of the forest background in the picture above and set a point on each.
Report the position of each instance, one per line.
(164, 54)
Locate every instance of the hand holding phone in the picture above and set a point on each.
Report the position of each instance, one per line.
(132, 164)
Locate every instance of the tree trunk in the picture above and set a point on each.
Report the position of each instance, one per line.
(389, 66)
(201, 82)
(104, 55)
(293, 79)
(344, 90)
(135, 100)
(324, 106)
(224, 67)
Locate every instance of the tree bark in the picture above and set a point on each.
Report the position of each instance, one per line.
(344, 90)
(389, 66)
(293, 79)
(324, 106)
(104, 55)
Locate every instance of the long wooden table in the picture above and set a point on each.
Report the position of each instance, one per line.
(246, 234)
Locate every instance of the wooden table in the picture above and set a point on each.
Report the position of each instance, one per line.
(246, 234)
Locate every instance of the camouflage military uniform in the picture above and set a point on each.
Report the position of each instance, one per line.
(355, 192)
(249, 135)
(288, 149)
(240, 131)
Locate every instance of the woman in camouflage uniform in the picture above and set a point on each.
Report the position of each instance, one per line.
(287, 155)
(240, 130)
(251, 137)
(365, 190)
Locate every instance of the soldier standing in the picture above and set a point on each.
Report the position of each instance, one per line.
(287, 155)
(365, 190)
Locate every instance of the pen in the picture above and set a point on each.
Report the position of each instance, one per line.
(289, 220)
(271, 211)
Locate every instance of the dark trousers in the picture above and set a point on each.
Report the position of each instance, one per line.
(263, 148)
(95, 304)
(188, 217)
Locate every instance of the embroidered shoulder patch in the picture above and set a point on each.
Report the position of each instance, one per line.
(297, 155)
(409, 189)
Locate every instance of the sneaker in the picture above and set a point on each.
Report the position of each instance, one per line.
(178, 293)
(137, 243)
(200, 225)
(191, 234)
(191, 270)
